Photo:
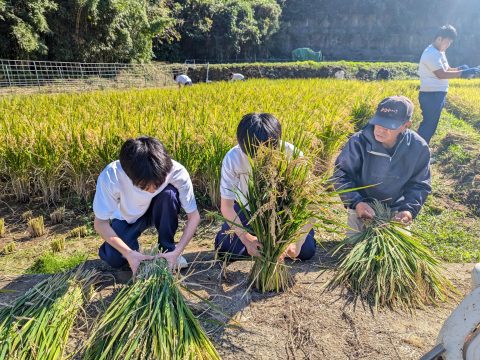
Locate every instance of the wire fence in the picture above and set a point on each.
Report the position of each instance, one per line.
(47, 76)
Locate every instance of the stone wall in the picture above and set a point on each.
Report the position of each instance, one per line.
(396, 30)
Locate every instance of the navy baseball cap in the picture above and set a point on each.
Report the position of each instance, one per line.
(393, 112)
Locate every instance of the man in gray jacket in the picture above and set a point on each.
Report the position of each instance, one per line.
(389, 156)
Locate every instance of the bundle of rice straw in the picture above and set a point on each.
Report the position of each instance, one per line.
(387, 265)
(37, 325)
(149, 319)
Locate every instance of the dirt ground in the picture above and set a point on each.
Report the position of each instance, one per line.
(303, 323)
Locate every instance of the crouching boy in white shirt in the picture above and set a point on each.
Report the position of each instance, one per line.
(144, 188)
(253, 129)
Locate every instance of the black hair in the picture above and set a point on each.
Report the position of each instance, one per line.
(258, 128)
(447, 32)
(145, 161)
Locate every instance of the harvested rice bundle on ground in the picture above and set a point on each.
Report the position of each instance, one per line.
(37, 325)
(284, 201)
(387, 265)
(149, 319)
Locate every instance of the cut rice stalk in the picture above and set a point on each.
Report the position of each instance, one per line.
(149, 319)
(387, 265)
(37, 325)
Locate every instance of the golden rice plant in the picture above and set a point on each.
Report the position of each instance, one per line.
(464, 99)
(36, 227)
(58, 244)
(284, 198)
(2, 227)
(78, 232)
(58, 215)
(60, 142)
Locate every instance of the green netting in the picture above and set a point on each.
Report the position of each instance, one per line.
(306, 54)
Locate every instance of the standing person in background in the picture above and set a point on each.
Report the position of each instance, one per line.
(236, 77)
(182, 79)
(434, 72)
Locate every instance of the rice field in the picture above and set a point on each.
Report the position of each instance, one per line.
(54, 144)
(464, 100)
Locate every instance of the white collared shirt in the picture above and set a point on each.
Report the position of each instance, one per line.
(117, 198)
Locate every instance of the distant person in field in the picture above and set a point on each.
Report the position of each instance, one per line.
(236, 77)
(253, 130)
(389, 156)
(434, 72)
(182, 79)
(144, 188)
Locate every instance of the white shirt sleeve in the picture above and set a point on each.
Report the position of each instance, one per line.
(434, 61)
(107, 197)
(445, 63)
(230, 180)
(182, 182)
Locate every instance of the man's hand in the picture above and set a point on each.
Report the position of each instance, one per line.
(134, 259)
(252, 244)
(404, 217)
(364, 211)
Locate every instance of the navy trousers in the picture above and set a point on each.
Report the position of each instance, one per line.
(431, 104)
(162, 213)
(229, 244)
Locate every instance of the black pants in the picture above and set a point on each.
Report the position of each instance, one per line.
(162, 213)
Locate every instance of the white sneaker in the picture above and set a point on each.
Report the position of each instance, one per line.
(182, 263)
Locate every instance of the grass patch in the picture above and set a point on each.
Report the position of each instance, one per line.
(449, 234)
(308, 69)
(9, 248)
(456, 149)
(50, 263)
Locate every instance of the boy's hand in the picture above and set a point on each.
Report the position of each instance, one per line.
(404, 217)
(252, 244)
(364, 211)
(292, 251)
(134, 259)
(171, 258)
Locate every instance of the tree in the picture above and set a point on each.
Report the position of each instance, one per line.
(23, 27)
(223, 30)
(108, 30)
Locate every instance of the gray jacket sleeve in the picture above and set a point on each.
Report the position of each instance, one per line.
(348, 164)
(419, 186)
